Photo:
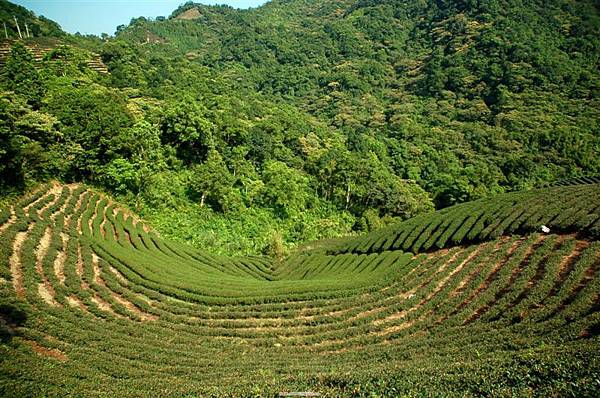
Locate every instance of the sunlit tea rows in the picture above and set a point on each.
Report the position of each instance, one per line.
(111, 308)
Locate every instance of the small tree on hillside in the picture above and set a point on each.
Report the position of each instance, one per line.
(213, 180)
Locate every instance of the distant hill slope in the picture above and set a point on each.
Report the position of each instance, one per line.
(38, 26)
(93, 300)
(41, 48)
(45, 35)
(192, 13)
(466, 99)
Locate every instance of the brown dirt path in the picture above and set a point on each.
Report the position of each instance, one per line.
(46, 352)
(61, 258)
(15, 262)
(45, 289)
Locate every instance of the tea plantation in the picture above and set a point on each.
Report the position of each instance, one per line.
(472, 300)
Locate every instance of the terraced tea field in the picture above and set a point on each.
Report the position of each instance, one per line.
(472, 300)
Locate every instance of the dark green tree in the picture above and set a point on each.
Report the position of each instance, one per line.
(186, 127)
(21, 76)
(213, 182)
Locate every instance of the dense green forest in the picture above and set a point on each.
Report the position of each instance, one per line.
(248, 131)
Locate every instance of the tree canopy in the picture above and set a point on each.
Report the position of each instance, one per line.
(304, 113)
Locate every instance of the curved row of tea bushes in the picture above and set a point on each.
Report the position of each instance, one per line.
(113, 309)
(561, 209)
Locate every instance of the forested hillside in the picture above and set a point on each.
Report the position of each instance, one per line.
(154, 183)
(38, 26)
(246, 131)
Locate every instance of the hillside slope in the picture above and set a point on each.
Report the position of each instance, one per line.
(465, 99)
(95, 303)
(574, 209)
(37, 26)
(301, 120)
